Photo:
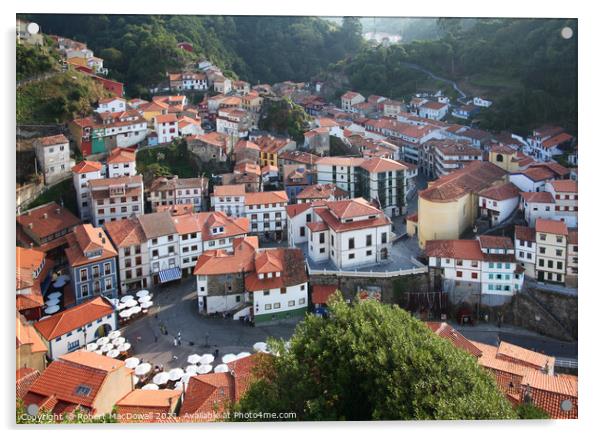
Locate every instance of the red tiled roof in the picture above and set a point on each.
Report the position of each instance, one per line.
(448, 332)
(87, 238)
(524, 233)
(274, 197)
(565, 186)
(322, 191)
(26, 335)
(501, 192)
(551, 226)
(322, 292)
(556, 140)
(538, 197)
(73, 318)
(166, 118)
(122, 155)
(474, 177)
(229, 190)
(125, 232)
(454, 249)
(57, 219)
(378, 165)
(525, 356)
(52, 140)
(433, 105)
(25, 378)
(351, 208)
(296, 209)
(219, 262)
(295, 274)
(497, 242)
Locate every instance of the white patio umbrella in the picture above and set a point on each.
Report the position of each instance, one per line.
(260, 346)
(176, 374)
(113, 353)
(55, 295)
(52, 309)
(146, 304)
(150, 386)
(243, 354)
(221, 368)
(52, 302)
(206, 359)
(179, 385)
(131, 303)
(142, 369)
(142, 293)
(135, 309)
(126, 298)
(124, 347)
(92, 346)
(227, 358)
(125, 313)
(194, 359)
(119, 341)
(60, 282)
(144, 299)
(161, 378)
(192, 369)
(114, 334)
(98, 352)
(186, 378)
(114, 301)
(131, 362)
(121, 306)
(106, 348)
(136, 380)
(102, 341)
(204, 369)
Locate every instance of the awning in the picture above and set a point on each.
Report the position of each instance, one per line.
(170, 275)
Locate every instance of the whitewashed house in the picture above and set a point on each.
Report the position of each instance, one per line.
(111, 105)
(121, 162)
(229, 199)
(537, 205)
(52, 155)
(497, 203)
(163, 247)
(116, 198)
(83, 172)
(166, 127)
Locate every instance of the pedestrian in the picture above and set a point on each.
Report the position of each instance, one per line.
(161, 367)
(138, 338)
(175, 342)
(174, 358)
(216, 353)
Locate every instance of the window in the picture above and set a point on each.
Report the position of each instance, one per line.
(383, 238)
(559, 265)
(266, 292)
(559, 252)
(322, 238)
(301, 301)
(542, 250)
(84, 290)
(268, 307)
(276, 305)
(291, 303)
(474, 275)
(369, 240)
(302, 231)
(351, 256)
(368, 253)
(107, 269)
(83, 274)
(558, 239)
(459, 274)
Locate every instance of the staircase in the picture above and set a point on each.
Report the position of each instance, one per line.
(547, 314)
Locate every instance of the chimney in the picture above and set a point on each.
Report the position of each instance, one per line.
(58, 211)
(103, 240)
(99, 234)
(45, 215)
(30, 225)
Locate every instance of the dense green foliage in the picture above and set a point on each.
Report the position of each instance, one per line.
(141, 49)
(169, 160)
(61, 193)
(371, 361)
(35, 60)
(527, 411)
(58, 99)
(523, 64)
(287, 118)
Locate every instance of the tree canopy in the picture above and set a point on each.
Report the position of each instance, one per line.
(371, 361)
(287, 118)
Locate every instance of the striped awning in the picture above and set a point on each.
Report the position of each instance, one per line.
(170, 274)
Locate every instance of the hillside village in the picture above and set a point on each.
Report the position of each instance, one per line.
(423, 209)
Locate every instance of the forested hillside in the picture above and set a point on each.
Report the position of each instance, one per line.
(523, 64)
(140, 49)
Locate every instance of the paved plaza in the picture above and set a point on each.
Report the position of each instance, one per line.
(175, 309)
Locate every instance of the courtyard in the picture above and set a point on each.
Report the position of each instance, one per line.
(175, 312)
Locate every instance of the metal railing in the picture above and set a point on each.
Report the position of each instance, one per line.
(366, 273)
(566, 363)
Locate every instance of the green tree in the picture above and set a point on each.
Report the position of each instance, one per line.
(371, 361)
(285, 117)
(527, 411)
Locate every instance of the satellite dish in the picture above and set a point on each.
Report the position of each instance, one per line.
(33, 28)
(566, 405)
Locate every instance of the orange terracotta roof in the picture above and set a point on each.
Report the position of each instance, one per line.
(268, 261)
(524, 355)
(501, 192)
(52, 140)
(122, 155)
(229, 190)
(524, 233)
(556, 140)
(87, 238)
(207, 393)
(27, 335)
(538, 197)
(350, 95)
(551, 226)
(47, 219)
(561, 384)
(322, 191)
(321, 293)
(166, 118)
(28, 261)
(537, 173)
(160, 398)
(565, 186)
(351, 208)
(73, 318)
(448, 332)
(260, 198)
(454, 249)
(204, 222)
(219, 262)
(125, 232)
(296, 209)
(341, 161)
(61, 380)
(474, 177)
(378, 165)
(295, 274)
(25, 378)
(497, 242)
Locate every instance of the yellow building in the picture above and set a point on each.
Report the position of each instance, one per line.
(508, 159)
(450, 204)
(269, 148)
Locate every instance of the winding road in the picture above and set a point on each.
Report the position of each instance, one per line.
(438, 78)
